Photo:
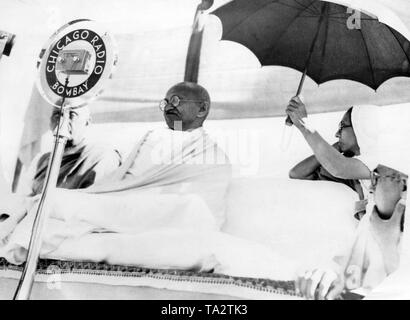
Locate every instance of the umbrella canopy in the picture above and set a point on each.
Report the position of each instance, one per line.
(325, 40)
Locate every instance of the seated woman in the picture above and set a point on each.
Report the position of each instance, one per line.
(374, 253)
(364, 134)
(311, 169)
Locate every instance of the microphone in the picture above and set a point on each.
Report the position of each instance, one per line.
(73, 62)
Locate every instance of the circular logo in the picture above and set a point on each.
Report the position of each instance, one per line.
(80, 55)
(76, 63)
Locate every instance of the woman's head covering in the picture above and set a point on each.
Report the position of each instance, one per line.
(382, 135)
(366, 126)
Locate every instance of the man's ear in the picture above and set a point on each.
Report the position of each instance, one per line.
(204, 110)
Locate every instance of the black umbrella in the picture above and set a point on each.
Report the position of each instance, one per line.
(320, 39)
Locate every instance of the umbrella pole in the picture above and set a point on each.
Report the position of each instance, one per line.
(302, 81)
(288, 128)
(193, 56)
(312, 46)
(298, 92)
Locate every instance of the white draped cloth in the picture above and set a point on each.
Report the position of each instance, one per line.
(162, 208)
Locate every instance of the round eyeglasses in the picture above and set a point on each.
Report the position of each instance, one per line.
(175, 101)
(343, 125)
(375, 176)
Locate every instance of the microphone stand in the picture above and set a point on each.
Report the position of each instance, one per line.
(61, 136)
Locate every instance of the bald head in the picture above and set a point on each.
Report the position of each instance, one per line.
(192, 107)
(193, 89)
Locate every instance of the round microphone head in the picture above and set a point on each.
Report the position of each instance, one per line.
(76, 63)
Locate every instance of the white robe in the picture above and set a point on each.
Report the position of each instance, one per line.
(162, 208)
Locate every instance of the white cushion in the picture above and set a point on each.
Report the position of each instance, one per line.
(307, 221)
(301, 220)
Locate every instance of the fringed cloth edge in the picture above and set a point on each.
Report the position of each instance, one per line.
(204, 282)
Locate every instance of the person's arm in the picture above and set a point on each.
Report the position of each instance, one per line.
(306, 169)
(334, 162)
(376, 245)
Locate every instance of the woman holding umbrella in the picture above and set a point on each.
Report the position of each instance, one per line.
(378, 235)
(364, 133)
(373, 140)
(331, 159)
(311, 169)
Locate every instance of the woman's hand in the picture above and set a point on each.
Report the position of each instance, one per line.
(296, 110)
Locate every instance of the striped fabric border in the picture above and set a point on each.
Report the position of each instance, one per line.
(205, 282)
